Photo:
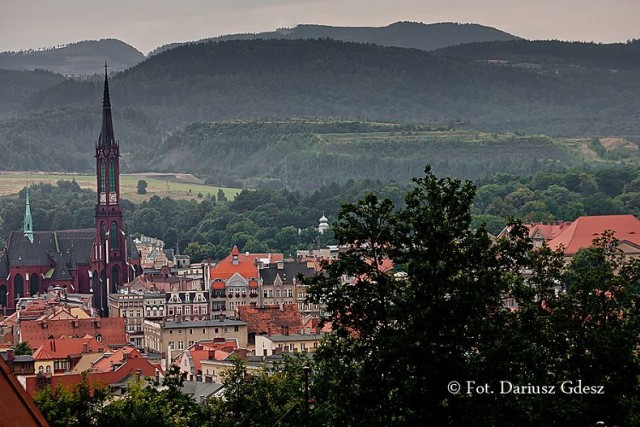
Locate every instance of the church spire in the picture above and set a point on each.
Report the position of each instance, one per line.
(106, 135)
(28, 221)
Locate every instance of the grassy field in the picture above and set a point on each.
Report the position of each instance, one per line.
(176, 186)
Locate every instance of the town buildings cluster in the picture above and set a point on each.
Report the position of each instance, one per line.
(98, 301)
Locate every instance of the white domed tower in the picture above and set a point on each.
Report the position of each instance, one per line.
(324, 224)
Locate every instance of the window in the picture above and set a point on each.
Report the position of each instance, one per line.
(290, 293)
(179, 331)
(112, 176)
(303, 346)
(204, 310)
(180, 345)
(216, 330)
(277, 293)
(204, 331)
(170, 311)
(103, 177)
(190, 331)
(270, 293)
(187, 311)
(190, 343)
(48, 369)
(171, 346)
(235, 329)
(195, 310)
(113, 234)
(179, 310)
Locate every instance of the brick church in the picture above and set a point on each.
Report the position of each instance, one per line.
(93, 261)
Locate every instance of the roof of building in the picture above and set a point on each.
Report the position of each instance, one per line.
(582, 231)
(271, 318)
(295, 337)
(111, 330)
(62, 348)
(204, 323)
(132, 366)
(287, 271)
(195, 389)
(110, 361)
(85, 363)
(16, 406)
(246, 264)
(59, 249)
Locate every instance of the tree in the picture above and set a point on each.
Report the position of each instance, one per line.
(221, 196)
(23, 349)
(401, 338)
(272, 396)
(142, 186)
(79, 406)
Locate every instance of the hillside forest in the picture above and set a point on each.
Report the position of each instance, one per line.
(286, 220)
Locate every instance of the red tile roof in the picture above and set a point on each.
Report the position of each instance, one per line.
(64, 347)
(109, 362)
(271, 319)
(582, 231)
(548, 231)
(16, 406)
(132, 366)
(110, 329)
(245, 266)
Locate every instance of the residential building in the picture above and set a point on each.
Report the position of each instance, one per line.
(129, 306)
(179, 335)
(188, 305)
(190, 360)
(266, 345)
(280, 282)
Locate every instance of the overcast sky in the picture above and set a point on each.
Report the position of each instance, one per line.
(147, 24)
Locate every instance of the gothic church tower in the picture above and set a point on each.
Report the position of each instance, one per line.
(110, 267)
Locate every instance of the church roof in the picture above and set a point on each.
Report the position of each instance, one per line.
(132, 249)
(69, 246)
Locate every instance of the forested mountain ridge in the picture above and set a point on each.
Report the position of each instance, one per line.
(399, 34)
(17, 87)
(615, 56)
(326, 78)
(75, 59)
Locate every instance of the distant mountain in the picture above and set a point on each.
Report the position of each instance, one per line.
(550, 53)
(76, 59)
(319, 79)
(400, 34)
(16, 87)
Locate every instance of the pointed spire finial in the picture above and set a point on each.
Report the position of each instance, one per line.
(28, 221)
(106, 139)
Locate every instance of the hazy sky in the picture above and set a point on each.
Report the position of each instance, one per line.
(147, 24)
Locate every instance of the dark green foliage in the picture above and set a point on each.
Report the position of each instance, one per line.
(78, 407)
(273, 396)
(23, 348)
(321, 79)
(142, 186)
(400, 339)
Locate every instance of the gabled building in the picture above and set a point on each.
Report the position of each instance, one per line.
(57, 356)
(280, 282)
(235, 282)
(96, 260)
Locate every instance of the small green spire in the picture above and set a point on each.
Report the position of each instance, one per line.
(28, 222)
